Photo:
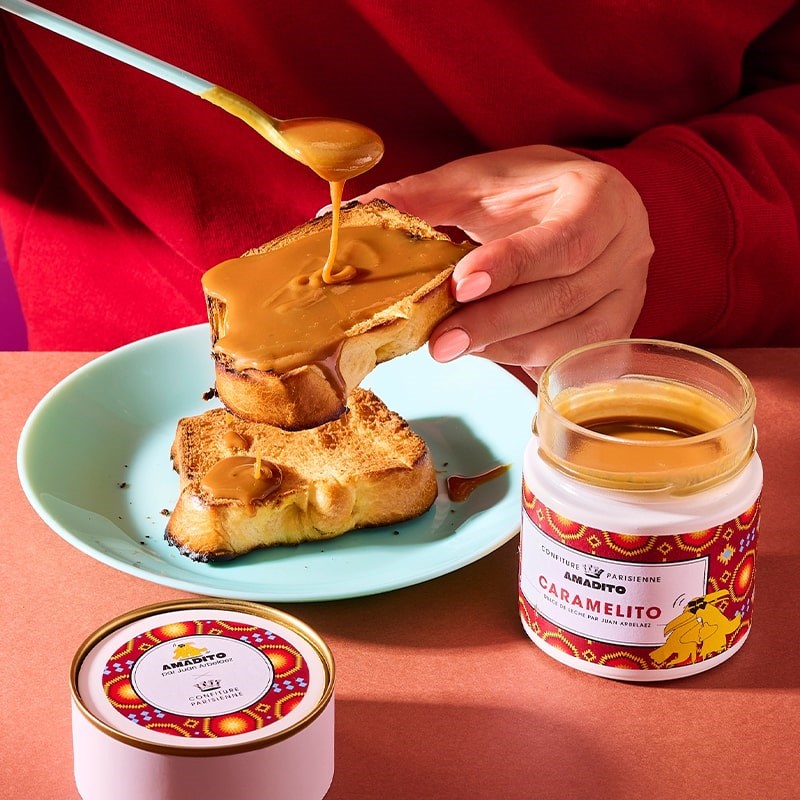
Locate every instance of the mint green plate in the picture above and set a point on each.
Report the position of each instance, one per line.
(94, 462)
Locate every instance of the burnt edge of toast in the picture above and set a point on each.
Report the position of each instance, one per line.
(201, 558)
(212, 558)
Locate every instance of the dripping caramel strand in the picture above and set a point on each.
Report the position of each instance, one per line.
(334, 149)
(347, 272)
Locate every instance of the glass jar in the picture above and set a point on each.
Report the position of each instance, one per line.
(641, 498)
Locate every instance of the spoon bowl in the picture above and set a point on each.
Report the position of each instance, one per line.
(336, 149)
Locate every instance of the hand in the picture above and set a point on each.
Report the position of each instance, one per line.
(564, 255)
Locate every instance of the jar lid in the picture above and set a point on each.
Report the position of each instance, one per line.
(195, 676)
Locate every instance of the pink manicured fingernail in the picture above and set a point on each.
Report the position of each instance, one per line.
(450, 344)
(474, 285)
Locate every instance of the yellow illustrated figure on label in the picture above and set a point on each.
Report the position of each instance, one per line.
(187, 650)
(700, 631)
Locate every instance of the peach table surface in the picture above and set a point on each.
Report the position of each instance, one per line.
(439, 694)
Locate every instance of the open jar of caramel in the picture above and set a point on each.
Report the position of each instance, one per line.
(641, 490)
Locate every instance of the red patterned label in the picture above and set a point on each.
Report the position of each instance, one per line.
(636, 602)
(205, 679)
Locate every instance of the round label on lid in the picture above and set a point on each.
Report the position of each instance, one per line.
(193, 677)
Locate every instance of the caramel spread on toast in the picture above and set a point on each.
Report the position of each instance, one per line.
(242, 478)
(279, 312)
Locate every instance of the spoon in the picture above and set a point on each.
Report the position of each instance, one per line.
(335, 149)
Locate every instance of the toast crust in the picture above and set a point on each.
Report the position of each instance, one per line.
(365, 469)
(313, 394)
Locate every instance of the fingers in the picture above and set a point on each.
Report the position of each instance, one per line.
(526, 308)
(579, 221)
(529, 324)
(535, 349)
(488, 196)
(565, 248)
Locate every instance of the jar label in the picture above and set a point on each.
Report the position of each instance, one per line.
(636, 601)
(205, 678)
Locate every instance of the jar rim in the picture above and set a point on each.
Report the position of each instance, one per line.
(737, 431)
(748, 405)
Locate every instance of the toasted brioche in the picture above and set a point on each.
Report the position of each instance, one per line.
(366, 468)
(305, 396)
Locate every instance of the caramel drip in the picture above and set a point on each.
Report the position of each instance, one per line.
(345, 272)
(329, 367)
(235, 441)
(461, 487)
(336, 149)
(243, 478)
(279, 314)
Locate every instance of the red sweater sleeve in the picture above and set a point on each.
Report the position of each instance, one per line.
(723, 195)
(117, 190)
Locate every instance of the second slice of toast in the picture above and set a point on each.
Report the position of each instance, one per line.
(367, 468)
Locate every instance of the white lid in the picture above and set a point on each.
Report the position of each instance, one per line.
(203, 674)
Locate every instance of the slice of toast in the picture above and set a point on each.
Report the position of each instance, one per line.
(365, 469)
(303, 391)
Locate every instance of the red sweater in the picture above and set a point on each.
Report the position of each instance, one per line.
(118, 190)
